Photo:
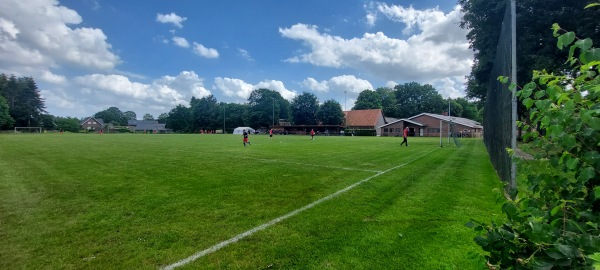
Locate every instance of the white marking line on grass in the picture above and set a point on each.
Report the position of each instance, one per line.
(314, 165)
(245, 234)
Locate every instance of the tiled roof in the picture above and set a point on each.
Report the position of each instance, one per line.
(362, 118)
(99, 120)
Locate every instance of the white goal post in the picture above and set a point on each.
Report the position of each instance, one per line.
(28, 129)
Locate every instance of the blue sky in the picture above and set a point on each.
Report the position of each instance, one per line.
(149, 56)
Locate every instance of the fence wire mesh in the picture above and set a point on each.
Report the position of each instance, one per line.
(497, 120)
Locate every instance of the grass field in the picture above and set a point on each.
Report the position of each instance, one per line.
(125, 201)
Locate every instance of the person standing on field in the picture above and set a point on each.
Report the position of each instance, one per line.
(246, 138)
(312, 134)
(405, 136)
(271, 133)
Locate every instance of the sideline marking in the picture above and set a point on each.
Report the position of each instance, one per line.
(247, 233)
(314, 165)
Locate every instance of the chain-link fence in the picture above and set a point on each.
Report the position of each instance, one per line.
(498, 113)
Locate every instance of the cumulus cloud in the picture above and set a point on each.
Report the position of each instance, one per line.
(181, 42)
(171, 18)
(41, 35)
(205, 52)
(348, 83)
(437, 49)
(241, 90)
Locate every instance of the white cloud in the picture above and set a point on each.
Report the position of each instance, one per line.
(314, 85)
(246, 55)
(449, 87)
(39, 35)
(233, 87)
(339, 84)
(278, 87)
(52, 78)
(170, 18)
(438, 49)
(241, 90)
(205, 52)
(181, 42)
(390, 84)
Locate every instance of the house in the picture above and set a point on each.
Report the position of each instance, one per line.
(364, 121)
(92, 124)
(147, 126)
(396, 128)
(463, 126)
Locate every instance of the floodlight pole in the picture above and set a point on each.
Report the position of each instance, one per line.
(223, 118)
(273, 113)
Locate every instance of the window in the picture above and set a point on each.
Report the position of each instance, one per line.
(433, 130)
(385, 130)
(397, 130)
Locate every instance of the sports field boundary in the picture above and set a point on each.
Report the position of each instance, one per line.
(313, 165)
(250, 232)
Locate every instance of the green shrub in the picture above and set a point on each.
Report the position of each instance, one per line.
(554, 222)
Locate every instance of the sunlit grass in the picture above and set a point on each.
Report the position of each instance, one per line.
(127, 201)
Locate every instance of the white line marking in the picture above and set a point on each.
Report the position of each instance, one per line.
(245, 234)
(314, 165)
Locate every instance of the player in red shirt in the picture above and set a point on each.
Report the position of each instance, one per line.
(405, 136)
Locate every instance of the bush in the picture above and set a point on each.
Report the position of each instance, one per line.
(554, 222)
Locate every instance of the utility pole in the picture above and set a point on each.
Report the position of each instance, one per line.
(273, 112)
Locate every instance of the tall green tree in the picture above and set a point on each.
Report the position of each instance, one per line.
(536, 49)
(25, 102)
(147, 117)
(179, 119)
(6, 120)
(304, 109)
(471, 110)
(413, 98)
(233, 114)
(266, 107)
(367, 99)
(67, 123)
(113, 116)
(388, 101)
(456, 109)
(162, 118)
(204, 113)
(130, 115)
(330, 113)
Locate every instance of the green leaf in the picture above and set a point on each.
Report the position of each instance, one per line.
(592, 5)
(565, 39)
(528, 102)
(590, 56)
(584, 44)
(586, 174)
(540, 94)
(597, 192)
(572, 163)
(594, 122)
(510, 209)
(480, 240)
(556, 209)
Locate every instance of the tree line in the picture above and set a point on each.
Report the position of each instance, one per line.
(22, 106)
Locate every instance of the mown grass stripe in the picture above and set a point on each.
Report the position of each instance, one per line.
(250, 232)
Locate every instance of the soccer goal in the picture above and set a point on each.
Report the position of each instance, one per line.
(28, 129)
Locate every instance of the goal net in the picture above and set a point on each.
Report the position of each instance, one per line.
(28, 129)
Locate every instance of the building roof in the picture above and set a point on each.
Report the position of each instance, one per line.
(362, 118)
(99, 120)
(403, 120)
(459, 120)
(146, 124)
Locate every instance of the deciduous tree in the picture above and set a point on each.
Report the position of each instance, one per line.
(367, 99)
(304, 109)
(330, 113)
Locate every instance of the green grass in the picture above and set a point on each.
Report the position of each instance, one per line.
(124, 201)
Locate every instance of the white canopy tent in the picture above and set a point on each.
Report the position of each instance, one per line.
(240, 130)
